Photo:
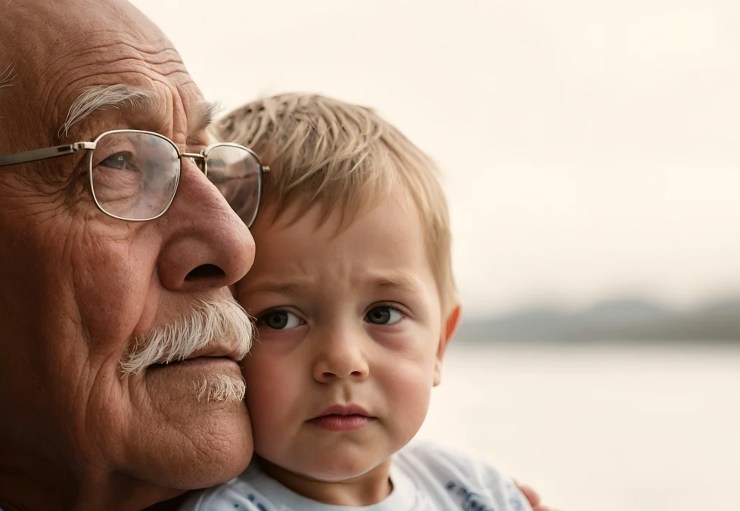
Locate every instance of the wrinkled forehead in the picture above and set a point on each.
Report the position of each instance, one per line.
(58, 50)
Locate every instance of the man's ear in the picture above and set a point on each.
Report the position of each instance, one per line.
(451, 323)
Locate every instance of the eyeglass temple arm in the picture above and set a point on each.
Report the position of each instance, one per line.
(45, 153)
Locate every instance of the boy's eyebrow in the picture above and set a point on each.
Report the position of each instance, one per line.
(275, 286)
(395, 280)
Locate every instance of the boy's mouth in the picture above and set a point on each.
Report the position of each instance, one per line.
(342, 418)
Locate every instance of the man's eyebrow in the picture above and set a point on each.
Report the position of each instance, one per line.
(104, 96)
(204, 115)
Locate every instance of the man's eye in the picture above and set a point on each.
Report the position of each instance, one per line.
(383, 315)
(279, 320)
(120, 161)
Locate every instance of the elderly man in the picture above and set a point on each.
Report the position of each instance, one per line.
(115, 258)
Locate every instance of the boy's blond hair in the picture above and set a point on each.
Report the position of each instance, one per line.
(339, 155)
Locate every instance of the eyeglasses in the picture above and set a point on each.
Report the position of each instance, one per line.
(134, 174)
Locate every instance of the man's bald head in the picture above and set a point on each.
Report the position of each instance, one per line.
(52, 51)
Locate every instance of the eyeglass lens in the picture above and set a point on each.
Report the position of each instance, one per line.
(237, 174)
(134, 175)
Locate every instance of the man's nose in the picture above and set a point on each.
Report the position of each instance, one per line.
(205, 243)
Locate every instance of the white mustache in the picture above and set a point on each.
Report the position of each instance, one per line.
(223, 321)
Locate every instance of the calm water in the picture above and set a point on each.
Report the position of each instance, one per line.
(600, 428)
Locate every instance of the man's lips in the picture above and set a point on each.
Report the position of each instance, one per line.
(216, 351)
(198, 362)
(211, 353)
(342, 418)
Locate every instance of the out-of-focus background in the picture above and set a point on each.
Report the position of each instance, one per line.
(589, 150)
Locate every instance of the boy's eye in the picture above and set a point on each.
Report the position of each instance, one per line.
(279, 320)
(383, 315)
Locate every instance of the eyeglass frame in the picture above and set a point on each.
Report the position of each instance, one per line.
(46, 153)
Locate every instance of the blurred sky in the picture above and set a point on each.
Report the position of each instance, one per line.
(589, 149)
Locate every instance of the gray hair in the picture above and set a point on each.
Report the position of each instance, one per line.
(7, 75)
(104, 96)
(211, 320)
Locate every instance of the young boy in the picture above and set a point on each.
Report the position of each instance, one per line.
(354, 300)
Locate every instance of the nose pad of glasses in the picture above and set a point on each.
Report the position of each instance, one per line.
(200, 163)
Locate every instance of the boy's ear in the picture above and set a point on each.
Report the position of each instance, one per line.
(451, 322)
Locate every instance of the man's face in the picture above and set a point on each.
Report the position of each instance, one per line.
(80, 289)
(349, 346)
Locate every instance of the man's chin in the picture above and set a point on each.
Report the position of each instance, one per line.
(209, 456)
(193, 441)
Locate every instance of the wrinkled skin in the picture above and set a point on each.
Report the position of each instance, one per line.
(76, 285)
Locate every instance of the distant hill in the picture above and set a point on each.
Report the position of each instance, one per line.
(625, 319)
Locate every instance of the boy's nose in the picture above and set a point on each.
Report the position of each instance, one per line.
(340, 357)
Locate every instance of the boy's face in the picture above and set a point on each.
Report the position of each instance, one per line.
(350, 343)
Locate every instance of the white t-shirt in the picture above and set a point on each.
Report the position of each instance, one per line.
(425, 477)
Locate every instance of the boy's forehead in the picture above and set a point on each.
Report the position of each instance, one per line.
(390, 221)
(339, 207)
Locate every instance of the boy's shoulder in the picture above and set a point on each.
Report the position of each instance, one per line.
(459, 479)
(425, 475)
(245, 492)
